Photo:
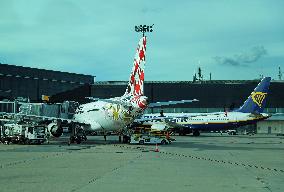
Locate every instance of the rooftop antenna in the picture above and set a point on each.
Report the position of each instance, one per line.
(279, 73)
(144, 28)
(199, 72)
(194, 77)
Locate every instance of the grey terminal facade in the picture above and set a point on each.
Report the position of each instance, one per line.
(215, 95)
(32, 83)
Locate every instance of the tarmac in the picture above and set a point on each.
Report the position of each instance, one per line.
(210, 162)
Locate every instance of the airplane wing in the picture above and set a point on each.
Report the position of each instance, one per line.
(43, 118)
(93, 98)
(121, 102)
(159, 104)
(158, 120)
(172, 124)
(127, 104)
(150, 105)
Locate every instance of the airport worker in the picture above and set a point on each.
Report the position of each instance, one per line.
(105, 137)
(119, 138)
(47, 136)
(167, 135)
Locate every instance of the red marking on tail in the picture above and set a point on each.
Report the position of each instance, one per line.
(136, 80)
(141, 54)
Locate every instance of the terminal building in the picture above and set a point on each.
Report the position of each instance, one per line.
(213, 95)
(32, 83)
(217, 95)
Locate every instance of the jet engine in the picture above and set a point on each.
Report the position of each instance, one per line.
(55, 129)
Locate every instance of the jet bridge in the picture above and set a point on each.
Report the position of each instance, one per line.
(8, 106)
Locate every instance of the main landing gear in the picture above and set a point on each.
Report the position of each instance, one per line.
(77, 134)
(196, 133)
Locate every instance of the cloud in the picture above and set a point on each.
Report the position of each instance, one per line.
(243, 59)
(98, 37)
(226, 61)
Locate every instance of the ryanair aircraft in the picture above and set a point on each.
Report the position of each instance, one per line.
(249, 113)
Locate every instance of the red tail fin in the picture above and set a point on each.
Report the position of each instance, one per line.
(136, 81)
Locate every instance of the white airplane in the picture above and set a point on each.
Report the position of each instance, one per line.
(113, 114)
(116, 113)
(249, 113)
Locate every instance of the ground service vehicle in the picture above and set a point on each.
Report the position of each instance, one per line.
(22, 134)
(148, 139)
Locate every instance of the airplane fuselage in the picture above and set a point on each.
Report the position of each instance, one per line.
(211, 121)
(101, 115)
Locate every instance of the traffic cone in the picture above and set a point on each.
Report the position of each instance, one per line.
(157, 149)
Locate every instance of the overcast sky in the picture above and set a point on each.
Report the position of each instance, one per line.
(231, 39)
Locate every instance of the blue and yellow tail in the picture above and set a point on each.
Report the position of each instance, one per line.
(257, 100)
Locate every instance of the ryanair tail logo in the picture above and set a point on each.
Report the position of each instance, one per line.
(258, 97)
